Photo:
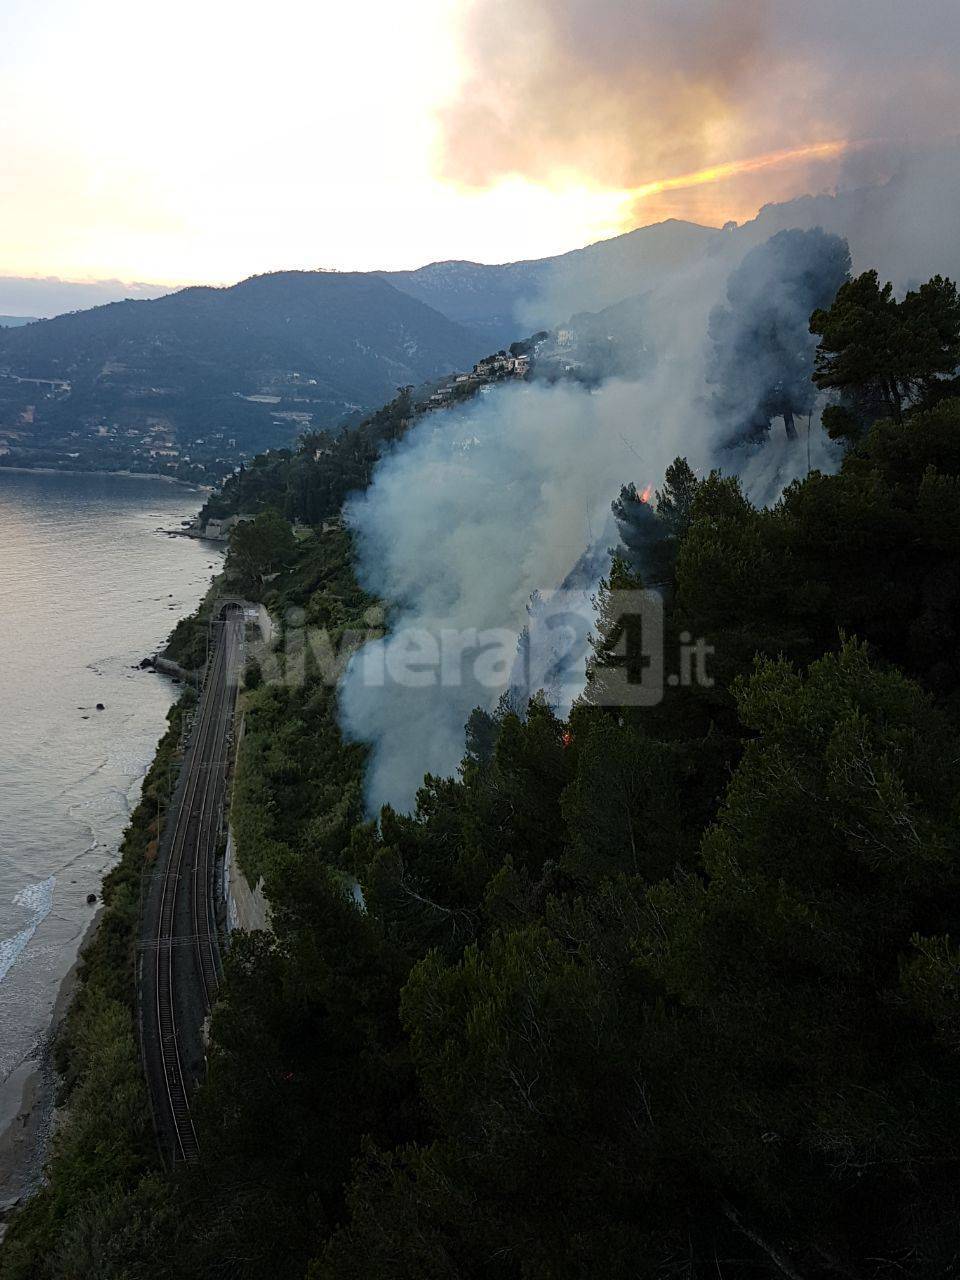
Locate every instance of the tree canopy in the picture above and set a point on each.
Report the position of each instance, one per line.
(883, 353)
(258, 548)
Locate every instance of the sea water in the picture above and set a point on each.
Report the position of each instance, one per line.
(90, 583)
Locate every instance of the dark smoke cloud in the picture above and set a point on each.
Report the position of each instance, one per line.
(627, 93)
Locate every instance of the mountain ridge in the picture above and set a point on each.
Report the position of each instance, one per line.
(504, 299)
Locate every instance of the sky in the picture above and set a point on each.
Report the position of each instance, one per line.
(206, 140)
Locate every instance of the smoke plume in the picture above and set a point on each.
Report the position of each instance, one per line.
(479, 509)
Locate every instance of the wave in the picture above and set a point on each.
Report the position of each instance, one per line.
(38, 900)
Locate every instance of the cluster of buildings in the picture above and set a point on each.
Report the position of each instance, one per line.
(495, 368)
(149, 447)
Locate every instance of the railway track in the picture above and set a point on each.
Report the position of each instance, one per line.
(180, 955)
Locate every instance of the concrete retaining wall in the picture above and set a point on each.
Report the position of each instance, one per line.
(265, 624)
(247, 909)
(169, 668)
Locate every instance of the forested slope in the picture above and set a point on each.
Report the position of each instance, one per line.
(644, 992)
(646, 989)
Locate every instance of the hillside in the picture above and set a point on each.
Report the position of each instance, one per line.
(670, 982)
(257, 362)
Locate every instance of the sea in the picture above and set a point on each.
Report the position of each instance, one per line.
(90, 583)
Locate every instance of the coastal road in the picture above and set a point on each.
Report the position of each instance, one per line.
(179, 960)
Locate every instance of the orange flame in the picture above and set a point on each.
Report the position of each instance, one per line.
(645, 496)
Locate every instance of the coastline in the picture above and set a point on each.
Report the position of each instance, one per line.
(131, 475)
(27, 1126)
(33, 1097)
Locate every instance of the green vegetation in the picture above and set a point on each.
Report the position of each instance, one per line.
(298, 788)
(187, 644)
(311, 484)
(640, 991)
(682, 983)
(258, 548)
(885, 354)
(646, 992)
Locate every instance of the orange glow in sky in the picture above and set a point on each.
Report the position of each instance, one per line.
(735, 168)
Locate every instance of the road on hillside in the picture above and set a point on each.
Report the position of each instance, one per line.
(179, 956)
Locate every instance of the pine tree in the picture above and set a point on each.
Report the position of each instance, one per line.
(883, 351)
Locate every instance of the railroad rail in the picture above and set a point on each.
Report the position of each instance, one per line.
(180, 962)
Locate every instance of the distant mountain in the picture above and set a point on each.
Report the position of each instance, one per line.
(507, 301)
(260, 360)
(14, 322)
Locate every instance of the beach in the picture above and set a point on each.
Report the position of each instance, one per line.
(28, 1110)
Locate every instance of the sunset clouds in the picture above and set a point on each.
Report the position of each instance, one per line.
(627, 95)
(209, 139)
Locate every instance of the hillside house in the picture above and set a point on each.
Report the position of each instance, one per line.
(219, 530)
(502, 366)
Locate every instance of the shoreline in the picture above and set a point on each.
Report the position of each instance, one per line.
(29, 1111)
(29, 1117)
(130, 475)
(27, 1125)
(26, 1129)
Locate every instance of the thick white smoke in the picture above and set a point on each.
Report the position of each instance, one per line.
(464, 521)
(478, 508)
